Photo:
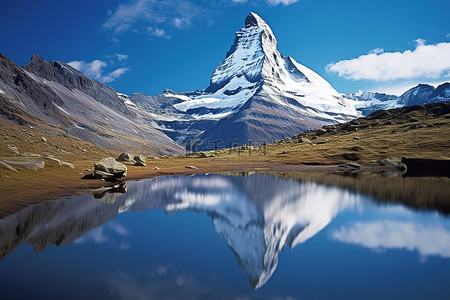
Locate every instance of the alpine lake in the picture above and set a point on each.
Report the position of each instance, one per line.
(235, 236)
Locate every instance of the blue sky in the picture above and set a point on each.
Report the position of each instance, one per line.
(148, 45)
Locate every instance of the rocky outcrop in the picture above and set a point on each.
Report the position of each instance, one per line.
(27, 164)
(4, 165)
(109, 168)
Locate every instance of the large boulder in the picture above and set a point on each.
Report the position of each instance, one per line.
(394, 162)
(125, 157)
(111, 166)
(140, 160)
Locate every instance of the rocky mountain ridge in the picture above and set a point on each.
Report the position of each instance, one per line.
(62, 97)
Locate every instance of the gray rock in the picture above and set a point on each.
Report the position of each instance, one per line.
(13, 149)
(30, 155)
(65, 163)
(191, 167)
(202, 154)
(125, 157)
(44, 139)
(103, 175)
(30, 165)
(324, 141)
(350, 166)
(6, 166)
(304, 140)
(139, 158)
(110, 165)
(393, 162)
(53, 159)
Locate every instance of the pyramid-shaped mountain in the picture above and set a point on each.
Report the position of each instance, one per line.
(255, 95)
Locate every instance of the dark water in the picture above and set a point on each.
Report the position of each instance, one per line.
(225, 237)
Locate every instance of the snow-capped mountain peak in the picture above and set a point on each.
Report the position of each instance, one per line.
(246, 56)
(255, 83)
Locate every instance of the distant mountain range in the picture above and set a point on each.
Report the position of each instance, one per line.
(368, 102)
(255, 95)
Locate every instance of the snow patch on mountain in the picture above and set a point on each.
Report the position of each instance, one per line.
(126, 99)
(182, 97)
(232, 95)
(367, 102)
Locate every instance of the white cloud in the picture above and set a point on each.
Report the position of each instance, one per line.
(92, 69)
(158, 32)
(96, 69)
(118, 228)
(96, 235)
(268, 2)
(376, 51)
(166, 16)
(121, 57)
(182, 22)
(284, 2)
(428, 240)
(429, 61)
(158, 15)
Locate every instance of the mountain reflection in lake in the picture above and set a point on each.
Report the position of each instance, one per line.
(343, 244)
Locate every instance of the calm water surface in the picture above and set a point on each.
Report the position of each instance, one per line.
(225, 237)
